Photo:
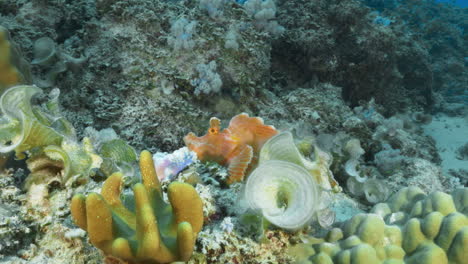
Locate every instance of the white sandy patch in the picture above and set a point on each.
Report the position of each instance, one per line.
(450, 133)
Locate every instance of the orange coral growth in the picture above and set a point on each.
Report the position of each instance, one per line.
(235, 147)
(13, 68)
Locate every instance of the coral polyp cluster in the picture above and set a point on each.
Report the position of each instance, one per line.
(141, 228)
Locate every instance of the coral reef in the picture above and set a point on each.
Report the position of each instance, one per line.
(411, 227)
(441, 29)
(219, 246)
(131, 75)
(337, 42)
(16, 230)
(37, 229)
(371, 93)
(148, 231)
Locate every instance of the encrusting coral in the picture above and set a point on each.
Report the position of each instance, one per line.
(236, 146)
(411, 227)
(141, 228)
(13, 69)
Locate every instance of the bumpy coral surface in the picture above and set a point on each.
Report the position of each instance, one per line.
(411, 227)
(141, 228)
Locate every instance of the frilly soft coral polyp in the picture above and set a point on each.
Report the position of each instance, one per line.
(141, 228)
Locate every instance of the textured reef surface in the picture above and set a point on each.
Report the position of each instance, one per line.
(233, 131)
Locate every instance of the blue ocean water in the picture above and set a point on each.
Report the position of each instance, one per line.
(461, 3)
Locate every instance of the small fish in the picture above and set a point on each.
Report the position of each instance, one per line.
(236, 147)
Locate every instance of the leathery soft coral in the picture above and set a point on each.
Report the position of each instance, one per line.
(411, 227)
(141, 228)
(44, 136)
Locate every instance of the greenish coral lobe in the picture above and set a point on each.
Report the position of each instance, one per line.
(22, 126)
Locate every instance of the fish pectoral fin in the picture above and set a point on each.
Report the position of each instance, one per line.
(239, 164)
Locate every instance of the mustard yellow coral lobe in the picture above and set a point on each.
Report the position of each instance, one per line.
(9, 62)
(148, 230)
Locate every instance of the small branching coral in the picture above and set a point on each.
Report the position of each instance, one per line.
(237, 146)
(141, 228)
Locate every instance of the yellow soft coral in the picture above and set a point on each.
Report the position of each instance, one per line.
(142, 228)
(13, 69)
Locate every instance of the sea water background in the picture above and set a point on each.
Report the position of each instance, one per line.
(461, 3)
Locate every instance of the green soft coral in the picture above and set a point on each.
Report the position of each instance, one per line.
(49, 141)
(411, 227)
(71, 158)
(141, 228)
(24, 127)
